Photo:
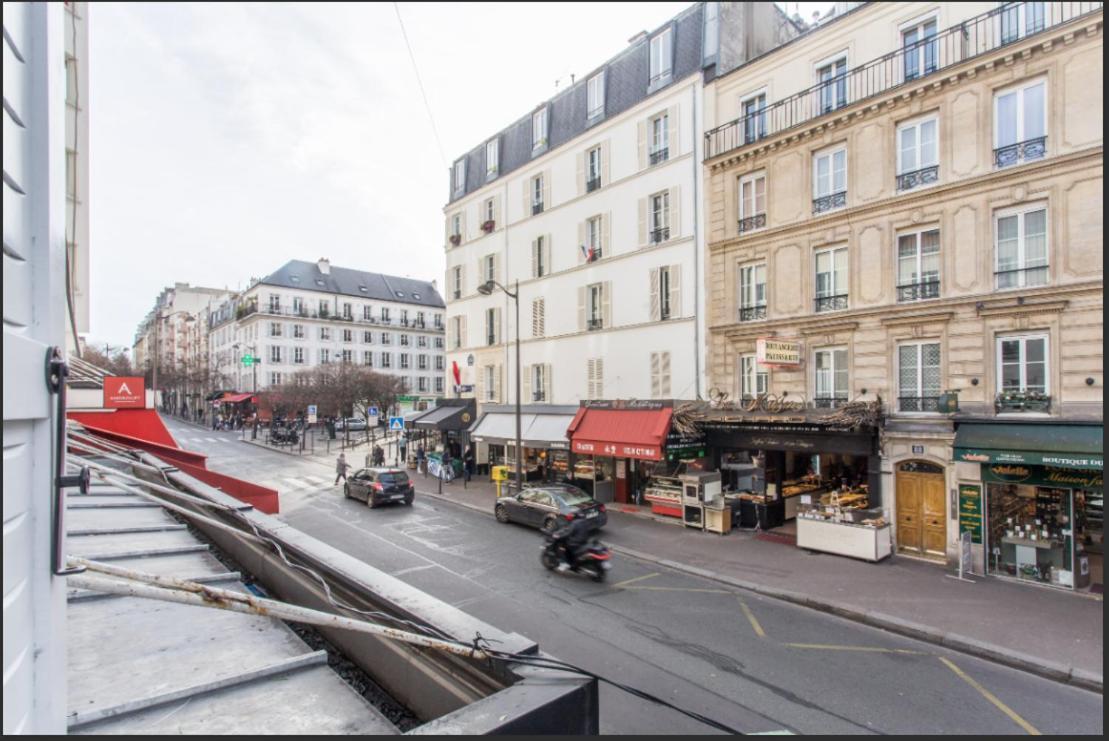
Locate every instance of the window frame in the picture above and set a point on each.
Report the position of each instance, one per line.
(761, 130)
(835, 81)
(539, 126)
(835, 281)
(920, 53)
(749, 366)
(1020, 89)
(538, 383)
(753, 178)
(492, 158)
(749, 288)
(539, 247)
(1023, 338)
(832, 350)
(460, 175)
(916, 124)
(595, 307)
(594, 90)
(660, 132)
(593, 173)
(665, 311)
(594, 228)
(918, 391)
(830, 153)
(1021, 212)
(918, 260)
(665, 57)
(298, 356)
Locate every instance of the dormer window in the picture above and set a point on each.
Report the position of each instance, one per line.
(491, 159)
(539, 128)
(459, 176)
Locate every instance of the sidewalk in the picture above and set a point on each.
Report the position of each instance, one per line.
(325, 453)
(1045, 631)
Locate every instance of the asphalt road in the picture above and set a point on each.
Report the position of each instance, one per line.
(756, 664)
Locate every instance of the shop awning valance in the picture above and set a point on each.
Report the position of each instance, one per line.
(548, 431)
(445, 418)
(499, 428)
(230, 398)
(620, 433)
(1061, 446)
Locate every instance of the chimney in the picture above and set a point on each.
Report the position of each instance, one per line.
(638, 37)
(324, 265)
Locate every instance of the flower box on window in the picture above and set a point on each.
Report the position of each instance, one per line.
(488, 225)
(1022, 401)
(456, 239)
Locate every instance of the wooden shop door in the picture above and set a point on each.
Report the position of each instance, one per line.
(622, 484)
(921, 514)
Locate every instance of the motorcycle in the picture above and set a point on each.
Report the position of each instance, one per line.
(594, 560)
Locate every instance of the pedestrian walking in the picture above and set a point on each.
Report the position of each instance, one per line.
(468, 462)
(341, 467)
(421, 458)
(402, 446)
(447, 465)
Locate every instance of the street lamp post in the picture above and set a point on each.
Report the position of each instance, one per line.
(486, 289)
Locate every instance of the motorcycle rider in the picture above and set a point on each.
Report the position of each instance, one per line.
(573, 537)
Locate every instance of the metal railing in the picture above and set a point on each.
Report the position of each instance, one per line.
(918, 291)
(306, 314)
(828, 402)
(752, 313)
(536, 207)
(660, 235)
(828, 202)
(592, 185)
(971, 38)
(592, 324)
(1022, 401)
(1025, 151)
(1021, 277)
(918, 403)
(750, 223)
(660, 155)
(916, 178)
(831, 303)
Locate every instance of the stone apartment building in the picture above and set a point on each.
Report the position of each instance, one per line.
(908, 198)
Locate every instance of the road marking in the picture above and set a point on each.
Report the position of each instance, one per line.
(681, 589)
(1028, 727)
(872, 649)
(410, 569)
(751, 617)
(317, 479)
(296, 483)
(621, 585)
(211, 440)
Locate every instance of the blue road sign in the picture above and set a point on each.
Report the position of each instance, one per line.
(373, 411)
(311, 408)
(396, 423)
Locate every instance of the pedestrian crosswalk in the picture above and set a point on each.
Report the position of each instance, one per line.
(304, 483)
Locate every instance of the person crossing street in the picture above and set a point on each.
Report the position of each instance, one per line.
(341, 467)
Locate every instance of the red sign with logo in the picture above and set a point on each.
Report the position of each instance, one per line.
(616, 450)
(124, 392)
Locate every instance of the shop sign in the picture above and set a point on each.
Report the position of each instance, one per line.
(558, 445)
(970, 511)
(463, 388)
(1069, 478)
(1027, 458)
(626, 404)
(778, 352)
(616, 450)
(124, 392)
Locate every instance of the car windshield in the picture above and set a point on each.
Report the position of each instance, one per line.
(573, 497)
(393, 477)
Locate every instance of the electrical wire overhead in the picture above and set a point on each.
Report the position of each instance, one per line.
(420, 83)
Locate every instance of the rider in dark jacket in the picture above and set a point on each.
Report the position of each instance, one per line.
(573, 536)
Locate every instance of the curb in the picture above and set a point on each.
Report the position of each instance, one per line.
(890, 623)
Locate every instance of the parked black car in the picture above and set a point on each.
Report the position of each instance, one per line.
(544, 506)
(376, 486)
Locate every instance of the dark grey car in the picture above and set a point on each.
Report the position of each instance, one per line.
(376, 486)
(549, 506)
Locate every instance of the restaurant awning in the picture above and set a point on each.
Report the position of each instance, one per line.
(230, 398)
(1062, 446)
(548, 431)
(621, 433)
(445, 418)
(500, 428)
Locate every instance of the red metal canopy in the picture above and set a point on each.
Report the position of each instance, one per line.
(621, 433)
(231, 398)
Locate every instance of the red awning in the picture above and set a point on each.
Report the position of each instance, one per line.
(141, 424)
(621, 433)
(230, 398)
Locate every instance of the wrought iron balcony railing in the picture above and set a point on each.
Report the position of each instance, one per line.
(750, 223)
(916, 178)
(831, 303)
(931, 55)
(827, 203)
(660, 155)
(536, 207)
(752, 313)
(918, 403)
(918, 291)
(1020, 277)
(660, 235)
(829, 402)
(593, 324)
(1022, 401)
(1025, 151)
(592, 184)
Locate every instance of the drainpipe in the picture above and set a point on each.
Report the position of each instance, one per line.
(698, 234)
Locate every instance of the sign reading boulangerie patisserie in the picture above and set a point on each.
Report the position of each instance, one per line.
(777, 352)
(124, 392)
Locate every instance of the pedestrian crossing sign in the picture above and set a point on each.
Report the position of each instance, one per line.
(396, 423)
(373, 411)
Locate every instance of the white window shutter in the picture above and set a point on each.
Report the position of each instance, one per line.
(655, 379)
(538, 318)
(548, 384)
(655, 311)
(642, 221)
(480, 270)
(525, 382)
(581, 308)
(462, 226)
(642, 148)
(498, 378)
(527, 197)
(581, 173)
(479, 384)
(599, 367)
(450, 334)
(675, 212)
(606, 303)
(497, 209)
(463, 330)
(675, 290)
(606, 234)
(497, 324)
(581, 241)
(534, 258)
(605, 148)
(672, 142)
(547, 203)
(547, 254)
(664, 375)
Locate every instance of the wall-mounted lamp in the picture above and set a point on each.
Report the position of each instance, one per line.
(974, 382)
(1089, 382)
(1020, 300)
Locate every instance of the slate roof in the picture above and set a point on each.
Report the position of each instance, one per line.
(626, 85)
(348, 282)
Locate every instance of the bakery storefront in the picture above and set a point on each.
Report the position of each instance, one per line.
(1030, 495)
(546, 449)
(443, 428)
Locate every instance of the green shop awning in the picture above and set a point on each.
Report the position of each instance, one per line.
(1060, 446)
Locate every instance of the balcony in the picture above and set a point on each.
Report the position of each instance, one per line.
(918, 403)
(916, 178)
(752, 313)
(829, 402)
(918, 291)
(1021, 277)
(491, 339)
(660, 235)
(592, 324)
(829, 202)
(1022, 401)
(593, 184)
(1019, 153)
(972, 38)
(536, 207)
(750, 223)
(831, 303)
(660, 155)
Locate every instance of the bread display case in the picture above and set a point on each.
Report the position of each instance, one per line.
(844, 529)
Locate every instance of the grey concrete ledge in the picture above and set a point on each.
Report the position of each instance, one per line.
(126, 530)
(1086, 680)
(149, 553)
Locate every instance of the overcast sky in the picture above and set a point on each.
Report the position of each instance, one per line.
(227, 139)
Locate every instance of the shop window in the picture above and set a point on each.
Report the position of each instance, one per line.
(1030, 535)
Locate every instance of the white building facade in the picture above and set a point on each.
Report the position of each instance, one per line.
(591, 205)
(308, 314)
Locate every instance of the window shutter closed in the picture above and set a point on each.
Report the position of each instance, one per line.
(479, 384)
(462, 226)
(480, 270)
(547, 254)
(655, 310)
(548, 387)
(675, 290)
(497, 268)
(642, 221)
(664, 374)
(538, 318)
(581, 173)
(462, 324)
(606, 303)
(497, 380)
(581, 308)
(604, 161)
(525, 382)
(534, 258)
(497, 325)
(642, 148)
(450, 334)
(497, 209)
(655, 375)
(599, 375)
(675, 212)
(581, 242)
(527, 197)
(547, 191)
(672, 141)
(606, 233)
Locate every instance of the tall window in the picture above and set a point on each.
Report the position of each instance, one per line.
(456, 225)
(490, 210)
(754, 380)
(348, 335)
(404, 340)
(275, 379)
(831, 279)
(595, 378)
(753, 110)
(368, 358)
(917, 153)
(275, 303)
(1021, 248)
(325, 355)
(459, 176)
(325, 307)
(298, 331)
(539, 257)
(593, 170)
(386, 360)
(404, 317)
(660, 58)
(752, 292)
(490, 382)
(832, 78)
(421, 384)
(325, 334)
(385, 314)
(298, 306)
(403, 360)
(438, 362)
(348, 356)
(367, 312)
(421, 362)
(919, 46)
(539, 128)
(594, 246)
(1022, 364)
(596, 306)
(367, 337)
(1021, 19)
(712, 30)
(348, 311)
(539, 382)
(275, 329)
(489, 268)
(537, 195)
(660, 141)
(596, 95)
(660, 217)
(918, 265)
(438, 384)
(386, 338)
(456, 331)
(298, 355)
(490, 326)
(831, 377)
(456, 281)
(829, 180)
(660, 375)
(491, 158)
(752, 202)
(918, 377)
(1020, 124)
(665, 310)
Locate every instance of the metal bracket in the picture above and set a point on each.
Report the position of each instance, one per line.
(56, 372)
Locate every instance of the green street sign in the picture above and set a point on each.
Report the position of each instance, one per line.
(248, 360)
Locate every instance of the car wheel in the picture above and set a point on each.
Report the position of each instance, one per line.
(408, 501)
(346, 491)
(501, 512)
(550, 524)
